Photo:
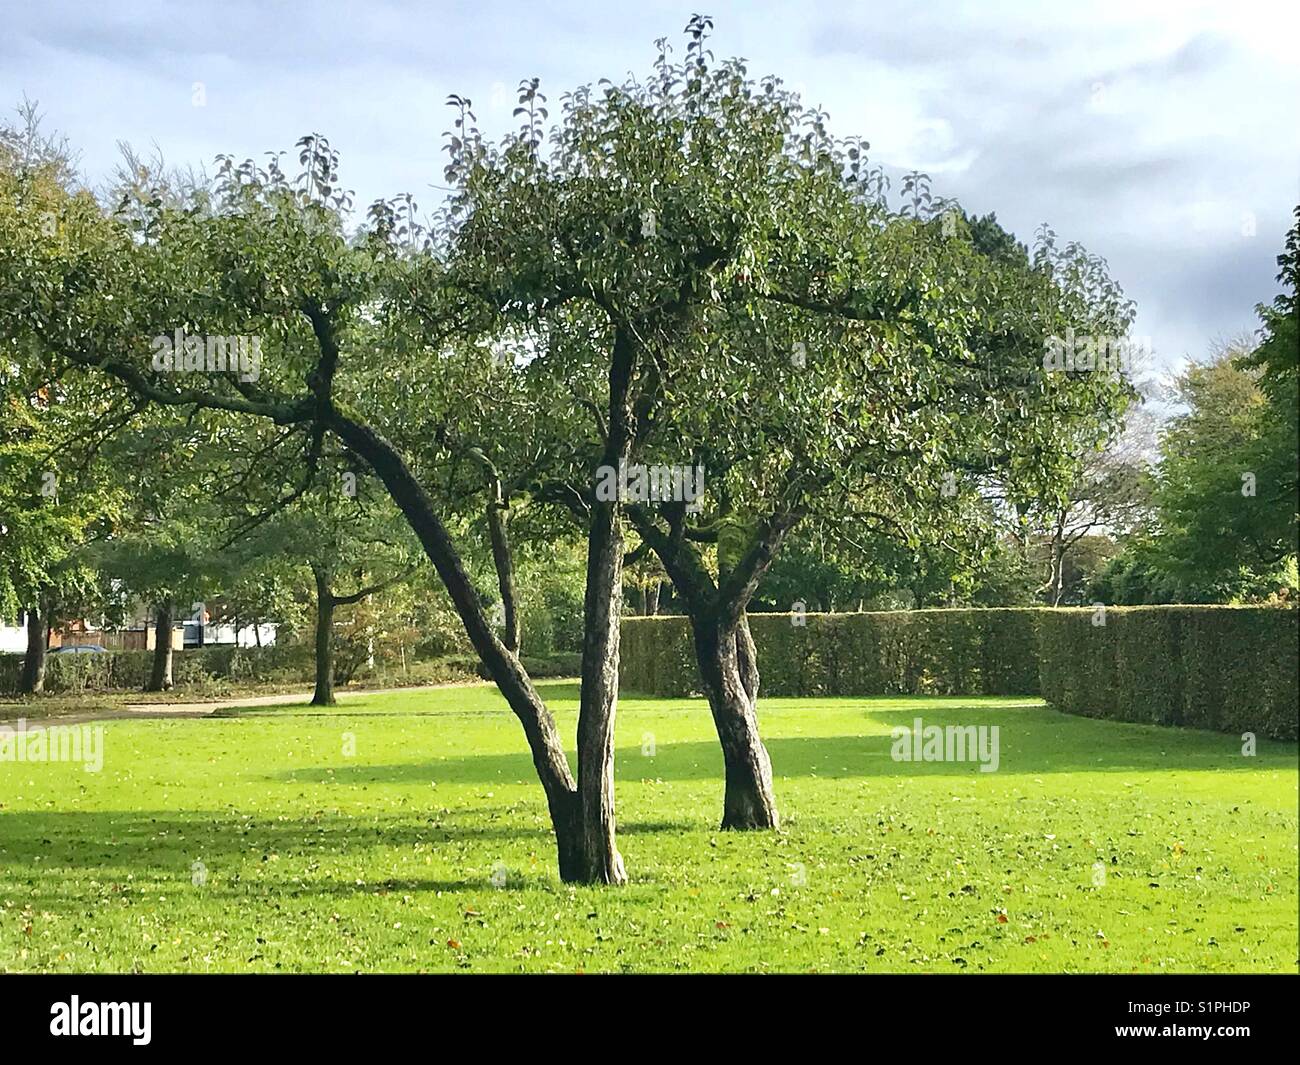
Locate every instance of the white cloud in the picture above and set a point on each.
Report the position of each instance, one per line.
(1151, 132)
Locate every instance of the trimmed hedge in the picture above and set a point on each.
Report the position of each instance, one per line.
(130, 669)
(921, 652)
(1232, 669)
(288, 664)
(1228, 668)
(539, 667)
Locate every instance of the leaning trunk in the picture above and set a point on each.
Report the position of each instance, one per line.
(32, 681)
(729, 672)
(505, 567)
(160, 676)
(324, 693)
(514, 683)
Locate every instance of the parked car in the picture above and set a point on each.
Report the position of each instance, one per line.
(80, 649)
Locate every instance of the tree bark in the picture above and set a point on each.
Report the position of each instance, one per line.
(324, 693)
(1057, 588)
(32, 681)
(509, 676)
(1056, 583)
(160, 676)
(505, 567)
(598, 852)
(652, 598)
(728, 661)
(729, 671)
(602, 612)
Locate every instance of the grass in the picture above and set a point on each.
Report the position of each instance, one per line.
(314, 860)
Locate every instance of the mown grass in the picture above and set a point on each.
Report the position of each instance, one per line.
(314, 859)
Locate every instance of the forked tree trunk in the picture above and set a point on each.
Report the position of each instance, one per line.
(729, 671)
(32, 681)
(160, 676)
(324, 693)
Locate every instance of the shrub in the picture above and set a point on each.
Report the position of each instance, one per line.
(944, 652)
(1214, 667)
(130, 669)
(1228, 668)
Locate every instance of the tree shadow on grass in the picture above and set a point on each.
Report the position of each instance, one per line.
(166, 843)
(1032, 742)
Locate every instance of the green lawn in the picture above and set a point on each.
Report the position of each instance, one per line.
(385, 860)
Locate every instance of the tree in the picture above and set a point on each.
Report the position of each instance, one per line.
(1224, 521)
(339, 533)
(693, 275)
(53, 494)
(265, 260)
(731, 293)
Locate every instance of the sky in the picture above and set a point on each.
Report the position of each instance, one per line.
(1164, 137)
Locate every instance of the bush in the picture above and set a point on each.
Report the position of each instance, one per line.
(448, 669)
(130, 669)
(1232, 669)
(560, 664)
(657, 657)
(942, 652)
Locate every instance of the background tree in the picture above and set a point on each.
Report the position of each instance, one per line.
(1224, 521)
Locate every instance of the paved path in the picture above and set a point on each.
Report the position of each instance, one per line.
(133, 711)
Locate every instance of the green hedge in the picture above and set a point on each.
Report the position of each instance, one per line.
(1233, 669)
(130, 669)
(938, 652)
(539, 667)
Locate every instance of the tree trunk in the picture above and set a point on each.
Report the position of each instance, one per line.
(652, 598)
(597, 852)
(514, 683)
(324, 693)
(1058, 573)
(505, 567)
(32, 681)
(729, 670)
(160, 677)
(598, 856)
